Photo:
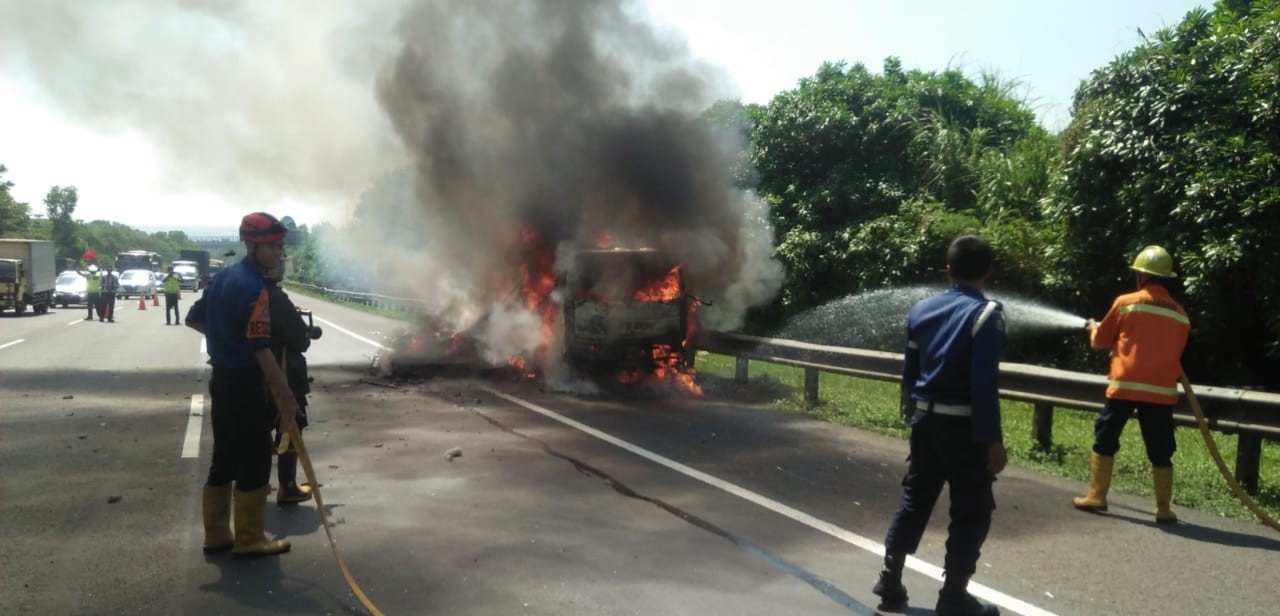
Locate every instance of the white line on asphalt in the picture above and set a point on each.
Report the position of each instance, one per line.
(204, 347)
(935, 572)
(351, 333)
(195, 417)
(990, 594)
(76, 321)
(9, 344)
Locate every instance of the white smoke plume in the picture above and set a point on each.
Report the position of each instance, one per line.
(253, 101)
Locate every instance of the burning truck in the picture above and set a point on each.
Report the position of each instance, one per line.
(625, 312)
(610, 316)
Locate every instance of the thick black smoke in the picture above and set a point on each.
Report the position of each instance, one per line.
(573, 119)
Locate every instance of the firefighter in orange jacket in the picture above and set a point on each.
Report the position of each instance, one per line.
(1146, 331)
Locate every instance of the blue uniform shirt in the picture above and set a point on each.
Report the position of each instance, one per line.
(952, 358)
(236, 313)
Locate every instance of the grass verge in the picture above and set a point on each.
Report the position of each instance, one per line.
(873, 405)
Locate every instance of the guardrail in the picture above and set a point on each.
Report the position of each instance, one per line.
(1252, 415)
(382, 302)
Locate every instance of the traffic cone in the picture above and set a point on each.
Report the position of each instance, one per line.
(142, 302)
(155, 299)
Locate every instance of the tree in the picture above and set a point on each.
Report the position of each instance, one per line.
(1177, 143)
(870, 176)
(60, 203)
(15, 217)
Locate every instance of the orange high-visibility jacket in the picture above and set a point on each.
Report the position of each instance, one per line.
(1146, 331)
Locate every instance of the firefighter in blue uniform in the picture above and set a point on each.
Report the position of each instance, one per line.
(235, 317)
(950, 394)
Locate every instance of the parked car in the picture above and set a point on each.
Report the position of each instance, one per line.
(137, 282)
(71, 287)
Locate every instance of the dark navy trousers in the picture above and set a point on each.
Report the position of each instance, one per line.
(942, 452)
(241, 419)
(1156, 421)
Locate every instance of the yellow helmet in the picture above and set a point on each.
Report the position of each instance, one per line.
(1155, 261)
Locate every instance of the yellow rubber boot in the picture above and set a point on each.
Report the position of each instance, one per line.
(216, 503)
(1099, 484)
(251, 540)
(1164, 495)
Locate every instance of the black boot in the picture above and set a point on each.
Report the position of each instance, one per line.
(290, 492)
(890, 588)
(954, 599)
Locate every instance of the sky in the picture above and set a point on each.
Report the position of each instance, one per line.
(66, 119)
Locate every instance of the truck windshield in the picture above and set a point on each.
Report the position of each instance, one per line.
(8, 271)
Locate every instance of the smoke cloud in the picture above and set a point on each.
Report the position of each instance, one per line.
(464, 123)
(574, 120)
(253, 101)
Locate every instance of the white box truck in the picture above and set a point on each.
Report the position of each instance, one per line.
(27, 275)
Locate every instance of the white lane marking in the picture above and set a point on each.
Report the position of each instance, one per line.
(204, 346)
(351, 333)
(195, 417)
(77, 321)
(1005, 601)
(9, 344)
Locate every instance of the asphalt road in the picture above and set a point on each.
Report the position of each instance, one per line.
(558, 504)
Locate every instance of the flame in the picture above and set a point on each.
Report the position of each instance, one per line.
(669, 369)
(537, 281)
(665, 289)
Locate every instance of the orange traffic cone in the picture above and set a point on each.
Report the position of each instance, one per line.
(142, 302)
(155, 299)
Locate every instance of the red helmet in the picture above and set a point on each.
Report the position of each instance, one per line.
(261, 227)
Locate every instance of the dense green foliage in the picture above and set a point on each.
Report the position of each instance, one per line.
(871, 175)
(15, 218)
(1177, 143)
(60, 204)
(111, 238)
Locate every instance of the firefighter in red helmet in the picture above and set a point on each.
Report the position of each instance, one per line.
(234, 315)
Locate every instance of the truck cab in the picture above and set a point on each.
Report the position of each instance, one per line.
(623, 310)
(188, 273)
(26, 275)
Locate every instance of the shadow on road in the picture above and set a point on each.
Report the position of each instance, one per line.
(261, 585)
(301, 519)
(1206, 534)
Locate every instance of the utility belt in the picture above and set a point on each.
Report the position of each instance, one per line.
(938, 408)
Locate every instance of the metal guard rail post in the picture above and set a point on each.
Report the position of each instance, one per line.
(1250, 414)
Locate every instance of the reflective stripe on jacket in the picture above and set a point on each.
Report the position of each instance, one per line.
(1146, 331)
(954, 340)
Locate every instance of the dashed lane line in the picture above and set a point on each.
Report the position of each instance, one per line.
(195, 417)
(15, 342)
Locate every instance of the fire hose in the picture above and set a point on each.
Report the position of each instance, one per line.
(1203, 424)
(294, 436)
